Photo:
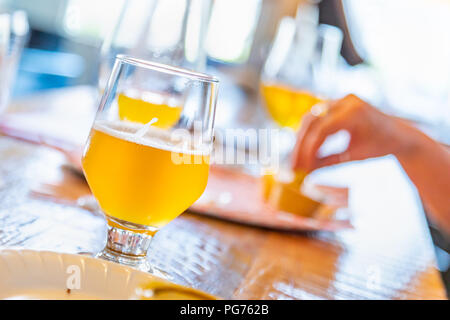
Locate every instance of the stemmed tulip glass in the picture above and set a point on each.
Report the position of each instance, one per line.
(147, 156)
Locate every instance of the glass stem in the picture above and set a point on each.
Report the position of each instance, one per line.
(126, 246)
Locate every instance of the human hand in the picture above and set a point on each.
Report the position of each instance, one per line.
(372, 133)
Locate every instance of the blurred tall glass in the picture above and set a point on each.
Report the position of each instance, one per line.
(171, 32)
(299, 72)
(14, 33)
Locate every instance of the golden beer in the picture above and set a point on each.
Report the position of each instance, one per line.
(287, 105)
(134, 177)
(142, 107)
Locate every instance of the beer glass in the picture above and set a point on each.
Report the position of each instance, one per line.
(302, 75)
(14, 34)
(165, 31)
(147, 156)
(300, 72)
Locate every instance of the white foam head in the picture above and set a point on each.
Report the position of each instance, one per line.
(153, 137)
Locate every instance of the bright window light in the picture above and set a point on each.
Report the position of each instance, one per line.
(231, 29)
(91, 19)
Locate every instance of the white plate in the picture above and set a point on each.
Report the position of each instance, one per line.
(30, 274)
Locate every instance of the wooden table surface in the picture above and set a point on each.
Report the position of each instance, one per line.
(388, 254)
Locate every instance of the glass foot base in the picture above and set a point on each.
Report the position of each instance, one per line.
(127, 244)
(139, 263)
(136, 262)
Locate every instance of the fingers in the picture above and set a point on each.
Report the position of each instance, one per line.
(332, 159)
(315, 129)
(308, 122)
(317, 135)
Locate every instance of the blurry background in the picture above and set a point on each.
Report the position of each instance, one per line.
(396, 53)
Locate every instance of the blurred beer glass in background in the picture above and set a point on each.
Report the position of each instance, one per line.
(300, 70)
(144, 168)
(165, 31)
(138, 32)
(14, 32)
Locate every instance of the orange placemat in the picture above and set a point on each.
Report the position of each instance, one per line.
(236, 196)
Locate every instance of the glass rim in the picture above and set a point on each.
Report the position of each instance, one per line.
(166, 68)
